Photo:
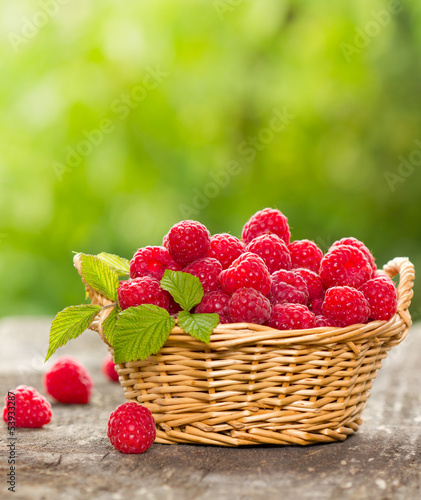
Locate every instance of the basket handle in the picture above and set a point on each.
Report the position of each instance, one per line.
(404, 267)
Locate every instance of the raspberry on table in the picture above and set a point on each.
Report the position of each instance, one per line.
(266, 221)
(187, 241)
(345, 265)
(273, 250)
(215, 302)
(29, 408)
(249, 306)
(288, 287)
(207, 270)
(248, 271)
(382, 298)
(152, 261)
(145, 290)
(108, 369)
(305, 253)
(346, 306)
(322, 321)
(313, 282)
(68, 381)
(291, 317)
(225, 248)
(131, 428)
(358, 244)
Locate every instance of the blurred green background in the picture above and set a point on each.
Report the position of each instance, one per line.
(116, 119)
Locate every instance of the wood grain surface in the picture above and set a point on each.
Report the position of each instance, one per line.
(72, 457)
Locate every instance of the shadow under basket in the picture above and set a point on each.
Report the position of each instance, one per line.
(256, 385)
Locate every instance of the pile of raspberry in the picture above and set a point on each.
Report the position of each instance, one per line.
(264, 278)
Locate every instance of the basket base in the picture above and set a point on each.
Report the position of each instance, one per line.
(259, 433)
(193, 435)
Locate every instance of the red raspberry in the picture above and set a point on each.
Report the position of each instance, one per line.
(131, 428)
(248, 271)
(208, 271)
(152, 261)
(345, 265)
(249, 306)
(187, 241)
(29, 408)
(288, 287)
(215, 302)
(225, 248)
(353, 242)
(68, 381)
(313, 282)
(108, 369)
(267, 221)
(322, 321)
(272, 250)
(316, 306)
(346, 306)
(291, 317)
(305, 253)
(145, 290)
(381, 295)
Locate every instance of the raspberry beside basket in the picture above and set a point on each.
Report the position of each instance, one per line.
(256, 385)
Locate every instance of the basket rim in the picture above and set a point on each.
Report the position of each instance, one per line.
(237, 334)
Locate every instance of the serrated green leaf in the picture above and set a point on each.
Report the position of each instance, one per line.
(99, 276)
(118, 264)
(186, 289)
(69, 324)
(199, 326)
(141, 331)
(108, 326)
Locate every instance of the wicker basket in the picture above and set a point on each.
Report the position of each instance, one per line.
(256, 385)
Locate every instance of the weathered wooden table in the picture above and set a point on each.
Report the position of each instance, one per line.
(72, 457)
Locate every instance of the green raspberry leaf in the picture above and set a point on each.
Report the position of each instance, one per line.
(186, 289)
(108, 326)
(69, 324)
(99, 276)
(199, 326)
(141, 331)
(118, 264)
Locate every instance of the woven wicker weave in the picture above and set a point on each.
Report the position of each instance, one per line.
(256, 385)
